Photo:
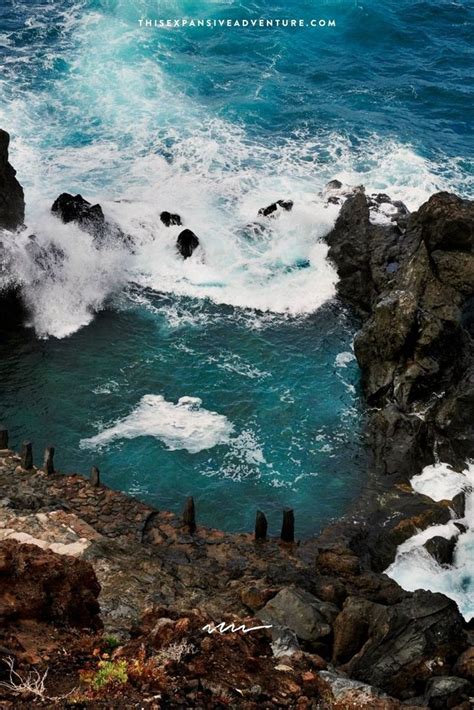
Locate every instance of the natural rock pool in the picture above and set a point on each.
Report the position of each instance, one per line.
(278, 425)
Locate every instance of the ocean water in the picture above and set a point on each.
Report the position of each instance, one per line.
(229, 376)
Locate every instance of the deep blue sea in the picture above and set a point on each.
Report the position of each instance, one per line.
(229, 376)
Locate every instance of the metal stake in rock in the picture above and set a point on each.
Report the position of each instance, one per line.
(27, 456)
(48, 466)
(261, 526)
(95, 477)
(189, 515)
(288, 526)
(3, 437)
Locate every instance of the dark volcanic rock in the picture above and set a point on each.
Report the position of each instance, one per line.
(445, 222)
(414, 287)
(42, 585)
(272, 209)
(187, 242)
(394, 648)
(306, 615)
(74, 208)
(169, 219)
(441, 549)
(12, 202)
(447, 692)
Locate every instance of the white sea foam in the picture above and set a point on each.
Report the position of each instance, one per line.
(414, 568)
(157, 149)
(344, 358)
(440, 481)
(185, 425)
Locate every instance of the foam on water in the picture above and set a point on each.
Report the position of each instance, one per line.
(414, 568)
(106, 120)
(185, 425)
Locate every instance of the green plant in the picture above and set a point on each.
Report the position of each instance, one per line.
(109, 672)
(110, 643)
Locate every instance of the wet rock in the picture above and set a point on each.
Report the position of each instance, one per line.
(286, 205)
(306, 615)
(441, 549)
(402, 642)
(42, 585)
(74, 208)
(447, 692)
(187, 242)
(170, 219)
(90, 218)
(445, 221)
(12, 202)
(401, 442)
(414, 288)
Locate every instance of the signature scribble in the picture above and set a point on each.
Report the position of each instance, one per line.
(224, 628)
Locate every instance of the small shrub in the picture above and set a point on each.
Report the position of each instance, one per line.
(110, 643)
(109, 672)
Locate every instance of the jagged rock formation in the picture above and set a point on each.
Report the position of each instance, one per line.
(12, 214)
(412, 282)
(90, 218)
(12, 201)
(272, 210)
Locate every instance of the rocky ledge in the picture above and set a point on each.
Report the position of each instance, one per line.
(341, 635)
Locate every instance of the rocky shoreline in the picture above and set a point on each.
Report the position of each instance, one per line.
(343, 634)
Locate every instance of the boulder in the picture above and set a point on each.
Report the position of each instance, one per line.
(187, 242)
(74, 208)
(41, 585)
(12, 202)
(447, 692)
(441, 549)
(395, 647)
(464, 666)
(306, 615)
(169, 219)
(272, 210)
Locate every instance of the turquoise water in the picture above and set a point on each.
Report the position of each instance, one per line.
(293, 409)
(213, 124)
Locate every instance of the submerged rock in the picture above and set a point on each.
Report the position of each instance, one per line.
(286, 205)
(186, 243)
(169, 219)
(12, 201)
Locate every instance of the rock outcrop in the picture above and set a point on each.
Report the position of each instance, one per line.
(12, 201)
(12, 214)
(272, 210)
(41, 585)
(187, 243)
(90, 218)
(395, 647)
(412, 283)
(169, 219)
